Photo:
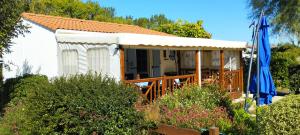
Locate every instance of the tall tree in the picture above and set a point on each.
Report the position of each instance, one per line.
(10, 23)
(158, 20)
(89, 10)
(143, 22)
(93, 11)
(71, 8)
(185, 29)
(284, 15)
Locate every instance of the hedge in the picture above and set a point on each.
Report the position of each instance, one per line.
(12, 88)
(294, 72)
(283, 57)
(15, 94)
(281, 117)
(81, 104)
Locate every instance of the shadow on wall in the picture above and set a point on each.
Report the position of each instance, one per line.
(8, 85)
(26, 69)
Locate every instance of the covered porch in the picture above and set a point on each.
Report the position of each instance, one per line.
(156, 64)
(158, 70)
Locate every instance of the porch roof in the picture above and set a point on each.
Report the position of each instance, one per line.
(130, 40)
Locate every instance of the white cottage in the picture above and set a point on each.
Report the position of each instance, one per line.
(59, 46)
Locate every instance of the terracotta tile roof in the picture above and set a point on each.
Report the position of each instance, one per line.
(55, 22)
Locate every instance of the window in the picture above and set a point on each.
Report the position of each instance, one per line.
(69, 62)
(172, 55)
(215, 58)
(98, 60)
(232, 60)
(169, 55)
(165, 54)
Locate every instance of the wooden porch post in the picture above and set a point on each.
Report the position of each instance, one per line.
(179, 62)
(241, 72)
(214, 131)
(198, 66)
(222, 69)
(1, 68)
(122, 64)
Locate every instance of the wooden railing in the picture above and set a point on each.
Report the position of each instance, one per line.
(232, 82)
(154, 88)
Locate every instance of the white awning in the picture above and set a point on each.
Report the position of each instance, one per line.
(142, 40)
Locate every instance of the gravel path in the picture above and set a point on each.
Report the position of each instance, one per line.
(274, 99)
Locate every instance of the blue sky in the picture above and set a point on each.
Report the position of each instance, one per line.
(225, 19)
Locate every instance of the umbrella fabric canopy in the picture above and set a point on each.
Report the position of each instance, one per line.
(267, 88)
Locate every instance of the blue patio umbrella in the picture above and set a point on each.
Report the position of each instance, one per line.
(266, 85)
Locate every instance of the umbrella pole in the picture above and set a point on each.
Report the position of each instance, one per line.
(257, 62)
(249, 71)
(258, 71)
(255, 40)
(257, 80)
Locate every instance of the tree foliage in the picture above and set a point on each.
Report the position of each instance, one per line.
(284, 15)
(71, 8)
(283, 57)
(158, 20)
(185, 29)
(91, 10)
(10, 26)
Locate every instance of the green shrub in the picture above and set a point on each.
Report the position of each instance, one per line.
(195, 107)
(282, 58)
(27, 86)
(15, 119)
(86, 104)
(198, 108)
(81, 104)
(281, 117)
(243, 123)
(15, 89)
(7, 90)
(294, 72)
(207, 97)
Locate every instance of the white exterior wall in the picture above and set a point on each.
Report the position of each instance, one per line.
(81, 48)
(38, 48)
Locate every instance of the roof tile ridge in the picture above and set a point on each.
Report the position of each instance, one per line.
(77, 19)
(27, 14)
(69, 18)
